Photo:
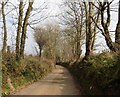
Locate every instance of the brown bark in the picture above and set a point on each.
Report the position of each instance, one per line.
(95, 28)
(19, 30)
(78, 36)
(105, 26)
(40, 51)
(24, 29)
(89, 32)
(5, 30)
(80, 27)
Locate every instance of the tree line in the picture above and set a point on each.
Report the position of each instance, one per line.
(21, 28)
(23, 13)
(81, 21)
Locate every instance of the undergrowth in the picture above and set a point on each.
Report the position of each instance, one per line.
(28, 70)
(100, 75)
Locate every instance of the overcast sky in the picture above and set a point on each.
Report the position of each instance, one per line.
(53, 9)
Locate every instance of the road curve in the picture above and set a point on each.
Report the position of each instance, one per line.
(59, 82)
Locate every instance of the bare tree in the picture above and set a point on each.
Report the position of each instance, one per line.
(19, 28)
(5, 29)
(24, 28)
(40, 38)
(105, 25)
(91, 17)
(73, 18)
(46, 38)
(51, 44)
(89, 32)
(113, 46)
(27, 16)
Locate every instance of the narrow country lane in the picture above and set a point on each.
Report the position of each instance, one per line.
(59, 82)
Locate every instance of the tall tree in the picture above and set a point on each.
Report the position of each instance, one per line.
(89, 31)
(4, 28)
(24, 28)
(92, 18)
(73, 18)
(104, 9)
(19, 30)
(96, 20)
(105, 24)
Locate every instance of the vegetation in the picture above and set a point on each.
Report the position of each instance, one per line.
(29, 70)
(83, 23)
(98, 76)
(96, 73)
(46, 38)
(18, 69)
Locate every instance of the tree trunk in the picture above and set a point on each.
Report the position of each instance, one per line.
(5, 30)
(95, 28)
(19, 31)
(79, 28)
(24, 29)
(89, 32)
(40, 51)
(117, 34)
(109, 42)
(105, 26)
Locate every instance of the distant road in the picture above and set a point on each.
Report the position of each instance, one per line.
(59, 82)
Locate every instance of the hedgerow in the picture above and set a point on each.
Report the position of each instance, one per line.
(100, 75)
(27, 71)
